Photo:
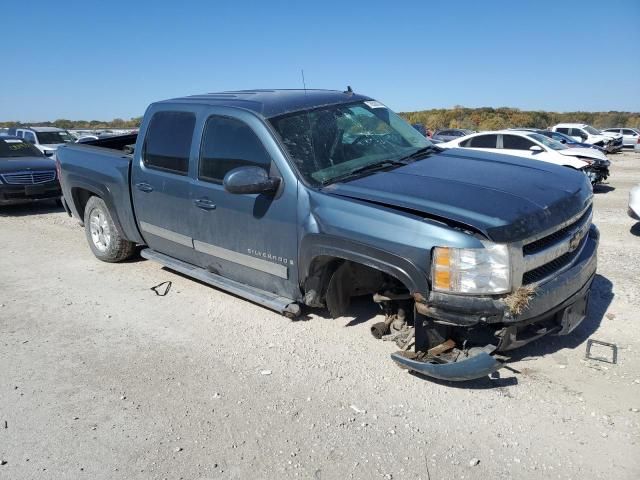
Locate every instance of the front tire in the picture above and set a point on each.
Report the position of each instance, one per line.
(105, 241)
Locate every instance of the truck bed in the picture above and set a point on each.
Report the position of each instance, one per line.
(124, 143)
(101, 168)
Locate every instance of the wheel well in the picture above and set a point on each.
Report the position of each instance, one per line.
(331, 277)
(80, 198)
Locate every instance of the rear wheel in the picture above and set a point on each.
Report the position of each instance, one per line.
(105, 241)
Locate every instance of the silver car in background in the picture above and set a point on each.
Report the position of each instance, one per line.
(630, 136)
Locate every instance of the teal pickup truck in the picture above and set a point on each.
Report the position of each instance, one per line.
(299, 199)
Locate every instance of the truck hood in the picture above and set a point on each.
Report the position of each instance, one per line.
(19, 164)
(503, 197)
(583, 152)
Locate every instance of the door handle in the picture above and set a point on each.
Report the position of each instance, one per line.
(144, 187)
(204, 204)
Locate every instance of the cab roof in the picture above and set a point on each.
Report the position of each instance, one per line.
(272, 103)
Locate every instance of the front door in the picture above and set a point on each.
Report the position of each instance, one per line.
(250, 238)
(161, 184)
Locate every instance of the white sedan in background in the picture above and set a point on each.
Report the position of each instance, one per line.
(537, 147)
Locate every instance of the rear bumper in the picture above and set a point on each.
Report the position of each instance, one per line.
(12, 194)
(549, 298)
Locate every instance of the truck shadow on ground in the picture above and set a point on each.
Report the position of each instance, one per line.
(635, 229)
(599, 301)
(603, 188)
(25, 209)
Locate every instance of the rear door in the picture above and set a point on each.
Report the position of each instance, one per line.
(249, 238)
(629, 137)
(160, 182)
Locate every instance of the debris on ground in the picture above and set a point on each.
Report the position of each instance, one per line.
(162, 292)
(612, 346)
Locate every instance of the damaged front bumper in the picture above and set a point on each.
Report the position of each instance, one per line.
(471, 368)
(597, 173)
(488, 327)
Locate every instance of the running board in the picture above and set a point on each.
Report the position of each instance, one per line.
(285, 306)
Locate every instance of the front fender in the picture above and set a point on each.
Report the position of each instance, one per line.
(321, 245)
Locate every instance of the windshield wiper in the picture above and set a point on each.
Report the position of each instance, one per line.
(366, 169)
(419, 153)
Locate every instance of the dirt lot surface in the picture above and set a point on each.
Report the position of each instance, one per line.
(102, 379)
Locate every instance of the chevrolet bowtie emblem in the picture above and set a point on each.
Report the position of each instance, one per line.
(575, 240)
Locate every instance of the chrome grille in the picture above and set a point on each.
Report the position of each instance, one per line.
(548, 240)
(29, 178)
(546, 257)
(548, 269)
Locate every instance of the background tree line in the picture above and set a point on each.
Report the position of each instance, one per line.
(457, 117)
(80, 124)
(497, 118)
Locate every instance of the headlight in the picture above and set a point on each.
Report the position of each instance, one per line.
(471, 270)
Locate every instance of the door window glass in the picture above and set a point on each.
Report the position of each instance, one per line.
(229, 143)
(168, 141)
(514, 142)
(576, 132)
(481, 141)
(30, 137)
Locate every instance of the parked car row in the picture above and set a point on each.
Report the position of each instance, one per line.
(45, 139)
(536, 146)
(610, 140)
(581, 132)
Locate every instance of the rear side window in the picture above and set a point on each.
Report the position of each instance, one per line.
(168, 141)
(481, 141)
(229, 143)
(563, 130)
(514, 142)
(29, 137)
(626, 131)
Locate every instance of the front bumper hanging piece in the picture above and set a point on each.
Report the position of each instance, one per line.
(478, 366)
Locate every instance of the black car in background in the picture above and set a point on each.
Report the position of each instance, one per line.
(451, 134)
(26, 174)
(421, 128)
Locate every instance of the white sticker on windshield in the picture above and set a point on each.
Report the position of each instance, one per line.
(374, 104)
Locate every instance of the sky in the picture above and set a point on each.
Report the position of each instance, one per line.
(110, 59)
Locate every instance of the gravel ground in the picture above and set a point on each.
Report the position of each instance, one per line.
(102, 379)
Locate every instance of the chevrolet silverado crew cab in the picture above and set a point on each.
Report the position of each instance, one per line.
(306, 198)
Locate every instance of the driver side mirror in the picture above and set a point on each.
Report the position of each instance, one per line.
(243, 180)
(563, 140)
(536, 149)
